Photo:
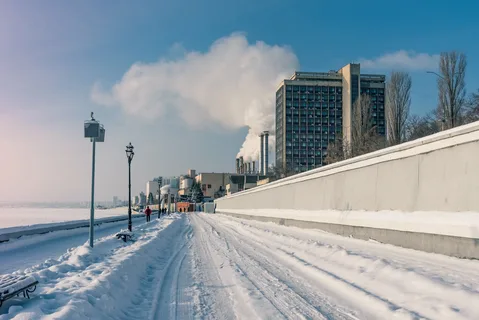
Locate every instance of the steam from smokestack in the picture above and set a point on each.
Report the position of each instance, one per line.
(231, 85)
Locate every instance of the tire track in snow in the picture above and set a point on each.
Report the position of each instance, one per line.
(163, 302)
(382, 281)
(215, 299)
(271, 281)
(454, 273)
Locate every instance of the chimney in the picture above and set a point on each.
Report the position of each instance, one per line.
(261, 154)
(237, 165)
(265, 152)
(241, 165)
(249, 167)
(245, 168)
(254, 166)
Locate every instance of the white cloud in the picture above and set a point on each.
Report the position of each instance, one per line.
(402, 59)
(233, 85)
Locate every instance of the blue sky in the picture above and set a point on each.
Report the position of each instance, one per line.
(52, 53)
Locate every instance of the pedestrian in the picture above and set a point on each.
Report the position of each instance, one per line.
(148, 213)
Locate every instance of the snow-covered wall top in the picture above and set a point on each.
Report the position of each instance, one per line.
(435, 173)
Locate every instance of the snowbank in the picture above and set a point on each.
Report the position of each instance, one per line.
(108, 281)
(459, 224)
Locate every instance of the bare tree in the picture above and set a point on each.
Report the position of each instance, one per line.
(278, 171)
(364, 138)
(471, 110)
(398, 102)
(419, 127)
(335, 152)
(451, 87)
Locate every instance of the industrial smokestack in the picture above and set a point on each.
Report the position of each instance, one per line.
(265, 152)
(254, 166)
(241, 165)
(249, 167)
(245, 168)
(261, 155)
(237, 165)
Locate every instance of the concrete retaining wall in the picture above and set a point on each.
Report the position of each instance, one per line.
(460, 247)
(436, 173)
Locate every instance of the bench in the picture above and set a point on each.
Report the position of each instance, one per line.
(125, 236)
(13, 285)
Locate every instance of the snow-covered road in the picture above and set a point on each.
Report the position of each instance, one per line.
(201, 266)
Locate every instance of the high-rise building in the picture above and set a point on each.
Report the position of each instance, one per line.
(313, 109)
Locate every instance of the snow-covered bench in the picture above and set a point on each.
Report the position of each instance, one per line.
(13, 285)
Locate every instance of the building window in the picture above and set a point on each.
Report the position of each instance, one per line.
(209, 186)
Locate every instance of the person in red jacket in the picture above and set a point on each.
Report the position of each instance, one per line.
(148, 213)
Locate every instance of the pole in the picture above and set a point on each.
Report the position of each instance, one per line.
(169, 202)
(129, 195)
(159, 202)
(92, 205)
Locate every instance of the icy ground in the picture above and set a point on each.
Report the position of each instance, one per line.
(201, 266)
(23, 217)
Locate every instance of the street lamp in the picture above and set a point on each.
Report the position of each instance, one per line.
(169, 202)
(437, 74)
(443, 120)
(160, 181)
(129, 156)
(96, 133)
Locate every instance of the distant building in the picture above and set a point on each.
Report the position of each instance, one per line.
(243, 182)
(264, 181)
(213, 184)
(152, 187)
(186, 182)
(314, 109)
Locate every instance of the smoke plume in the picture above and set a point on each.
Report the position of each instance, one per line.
(233, 84)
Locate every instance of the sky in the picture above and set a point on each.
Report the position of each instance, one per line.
(189, 83)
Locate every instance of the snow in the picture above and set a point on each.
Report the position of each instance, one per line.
(12, 283)
(203, 266)
(460, 224)
(18, 254)
(24, 217)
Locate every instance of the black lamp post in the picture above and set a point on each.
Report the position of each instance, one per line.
(129, 155)
(160, 180)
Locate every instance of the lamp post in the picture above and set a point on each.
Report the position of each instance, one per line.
(160, 180)
(96, 133)
(169, 202)
(129, 156)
